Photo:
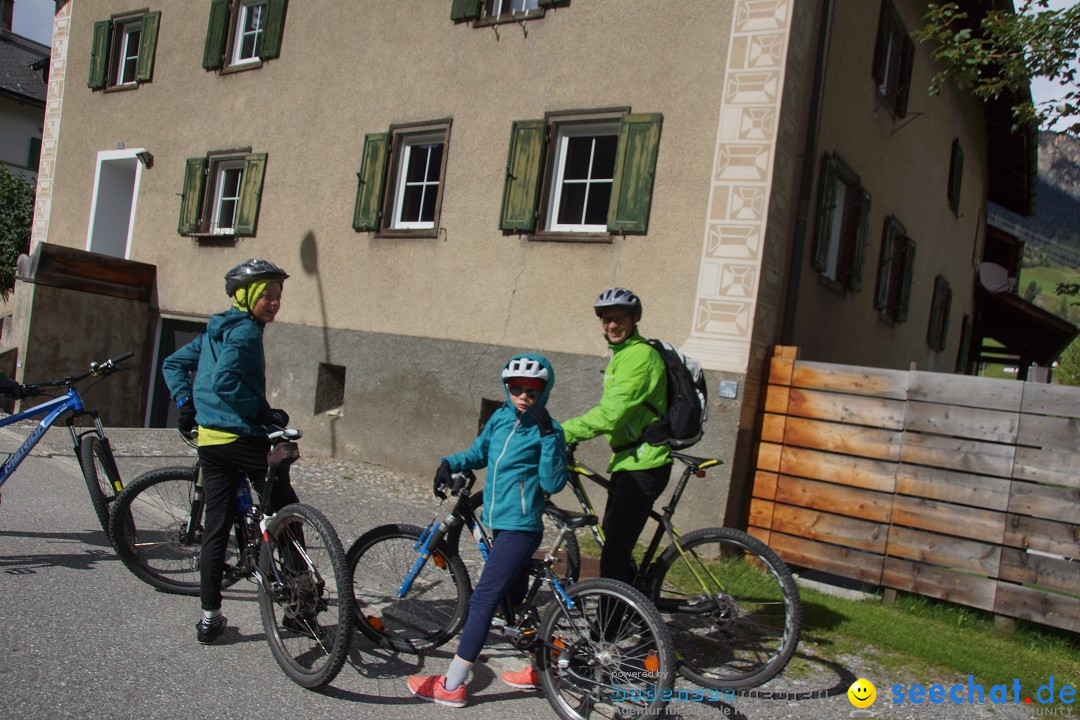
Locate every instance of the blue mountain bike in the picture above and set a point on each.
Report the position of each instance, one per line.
(89, 443)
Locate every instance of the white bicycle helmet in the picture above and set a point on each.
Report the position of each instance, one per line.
(618, 297)
(523, 367)
(249, 271)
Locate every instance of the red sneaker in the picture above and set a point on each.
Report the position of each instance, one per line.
(526, 678)
(433, 689)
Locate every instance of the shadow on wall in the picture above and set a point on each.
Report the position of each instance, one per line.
(309, 261)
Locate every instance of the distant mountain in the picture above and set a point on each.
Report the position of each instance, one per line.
(1057, 203)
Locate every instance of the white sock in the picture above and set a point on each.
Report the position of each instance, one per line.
(211, 617)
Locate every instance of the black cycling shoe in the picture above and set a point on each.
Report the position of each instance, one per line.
(207, 633)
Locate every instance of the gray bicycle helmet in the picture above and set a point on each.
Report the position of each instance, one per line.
(618, 297)
(249, 271)
(523, 367)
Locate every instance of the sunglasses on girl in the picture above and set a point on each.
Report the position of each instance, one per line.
(517, 390)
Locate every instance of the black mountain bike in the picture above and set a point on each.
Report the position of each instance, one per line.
(600, 647)
(730, 603)
(293, 555)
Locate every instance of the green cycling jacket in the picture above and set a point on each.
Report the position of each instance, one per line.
(634, 382)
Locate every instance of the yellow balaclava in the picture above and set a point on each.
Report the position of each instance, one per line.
(246, 297)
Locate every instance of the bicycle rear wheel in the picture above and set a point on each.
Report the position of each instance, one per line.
(731, 605)
(305, 597)
(148, 526)
(434, 608)
(607, 656)
(102, 477)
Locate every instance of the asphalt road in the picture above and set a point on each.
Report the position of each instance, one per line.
(81, 637)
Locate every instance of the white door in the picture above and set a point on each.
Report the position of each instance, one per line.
(112, 210)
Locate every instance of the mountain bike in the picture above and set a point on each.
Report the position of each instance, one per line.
(599, 646)
(91, 447)
(730, 603)
(293, 555)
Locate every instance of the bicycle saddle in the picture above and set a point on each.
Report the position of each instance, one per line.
(696, 463)
(569, 518)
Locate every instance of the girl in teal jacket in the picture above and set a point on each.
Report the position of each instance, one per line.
(524, 451)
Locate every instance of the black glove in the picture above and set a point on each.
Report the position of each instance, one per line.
(542, 419)
(12, 388)
(186, 422)
(443, 478)
(272, 416)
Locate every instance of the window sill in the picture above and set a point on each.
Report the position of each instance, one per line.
(242, 67)
(833, 285)
(517, 17)
(408, 233)
(583, 237)
(121, 88)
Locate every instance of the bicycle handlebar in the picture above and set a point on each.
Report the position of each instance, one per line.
(107, 367)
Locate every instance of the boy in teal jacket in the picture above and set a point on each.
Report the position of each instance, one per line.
(524, 452)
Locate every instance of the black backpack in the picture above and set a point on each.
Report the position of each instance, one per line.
(688, 401)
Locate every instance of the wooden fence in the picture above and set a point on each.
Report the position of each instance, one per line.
(961, 488)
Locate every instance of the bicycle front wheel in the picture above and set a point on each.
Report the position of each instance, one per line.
(731, 605)
(305, 597)
(605, 654)
(148, 529)
(430, 612)
(102, 477)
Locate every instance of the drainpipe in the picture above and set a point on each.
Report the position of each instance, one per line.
(806, 181)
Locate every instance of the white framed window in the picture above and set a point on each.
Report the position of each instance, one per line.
(894, 56)
(843, 213)
(507, 9)
(228, 176)
(583, 172)
(129, 35)
(250, 27)
(419, 172)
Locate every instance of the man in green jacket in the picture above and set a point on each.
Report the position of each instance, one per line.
(635, 395)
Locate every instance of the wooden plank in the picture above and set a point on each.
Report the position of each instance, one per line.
(772, 427)
(1046, 399)
(948, 519)
(835, 529)
(764, 485)
(1051, 573)
(981, 491)
(950, 552)
(1043, 535)
(837, 499)
(940, 583)
(1045, 501)
(876, 382)
(788, 352)
(776, 399)
(761, 513)
(1044, 431)
(953, 453)
(780, 370)
(761, 534)
(971, 423)
(1049, 467)
(1038, 606)
(840, 469)
(966, 390)
(845, 562)
(851, 409)
(769, 456)
(846, 439)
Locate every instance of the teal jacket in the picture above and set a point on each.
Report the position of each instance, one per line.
(521, 466)
(635, 384)
(230, 374)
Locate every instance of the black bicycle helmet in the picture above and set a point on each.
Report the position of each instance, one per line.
(249, 271)
(618, 297)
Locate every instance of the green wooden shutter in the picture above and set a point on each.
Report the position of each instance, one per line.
(906, 280)
(635, 169)
(191, 199)
(890, 250)
(547, 3)
(465, 10)
(861, 238)
(907, 61)
(956, 174)
(275, 27)
(826, 213)
(523, 163)
(144, 69)
(99, 54)
(247, 215)
(34, 155)
(216, 34)
(370, 187)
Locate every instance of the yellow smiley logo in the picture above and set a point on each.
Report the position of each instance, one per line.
(862, 693)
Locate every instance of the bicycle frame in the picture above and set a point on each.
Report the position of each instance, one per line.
(69, 402)
(663, 519)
